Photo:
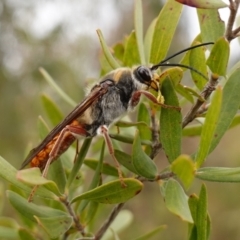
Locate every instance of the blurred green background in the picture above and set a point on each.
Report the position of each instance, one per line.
(60, 36)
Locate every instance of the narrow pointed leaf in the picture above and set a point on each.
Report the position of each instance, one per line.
(211, 25)
(96, 178)
(53, 84)
(128, 139)
(131, 55)
(43, 129)
(148, 40)
(112, 62)
(193, 130)
(184, 168)
(230, 105)
(209, 127)
(138, 23)
(106, 168)
(33, 177)
(164, 30)
(184, 92)
(29, 209)
(143, 116)
(113, 192)
(79, 161)
(124, 124)
(170, 122)
(177, 201)
(201, 221)
(218, 59)
(219, 174)
(204, 4)
(197, 61)
(53, 112)
(125, 160)
(143, 164)
(9, 173)
(55, 226)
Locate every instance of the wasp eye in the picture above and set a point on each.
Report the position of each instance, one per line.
(143, 74)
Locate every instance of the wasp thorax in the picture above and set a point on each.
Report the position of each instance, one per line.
(143, 75)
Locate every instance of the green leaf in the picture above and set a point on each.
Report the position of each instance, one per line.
(112, 62)
(8, 233)
(29, 209)
(143, 164)
(118, 50)
(33, 177)
(24, 234)
(177, 201)
(219, 174)
(218, 59)
(143, 116)
(197, 211)
(53, 112)
(113, 192)
(236, 121)
(57, 174)
(211, 4)
(152, 233)
(148, 40)
(183, 91)
(96, 178)
(124, 124)
(91, 213)
(106, 168)
(9, 173)
(138, 23)
(192, 130)
(131, 55)
(209, 127)
(43, 129)
(79, 161)
(53, 84)
(230, 105)
(211, 25)
(170, 122)
(197, 61)
(201, 221)
(125, 160)
(55, 226)
(184, 168)
(164, 30)
(128, 139)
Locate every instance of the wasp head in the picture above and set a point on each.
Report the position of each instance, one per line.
(145, 76)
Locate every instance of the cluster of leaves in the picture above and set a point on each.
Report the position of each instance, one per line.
(66, 209)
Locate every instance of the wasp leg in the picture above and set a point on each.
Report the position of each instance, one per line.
(103, 130)
(74, 130)
(136, 98)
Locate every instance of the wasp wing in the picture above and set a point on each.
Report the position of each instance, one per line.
(94, 95)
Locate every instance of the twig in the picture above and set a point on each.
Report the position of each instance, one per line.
(230, 33)
(108, 222)
(208, 89)
(78, 225)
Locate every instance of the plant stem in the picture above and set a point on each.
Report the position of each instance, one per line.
(78, 225)
(108, 222)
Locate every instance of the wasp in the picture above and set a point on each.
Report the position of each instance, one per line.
(117, 93)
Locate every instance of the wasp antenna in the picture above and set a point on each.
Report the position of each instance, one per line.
(183, 66)
(154, 67)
